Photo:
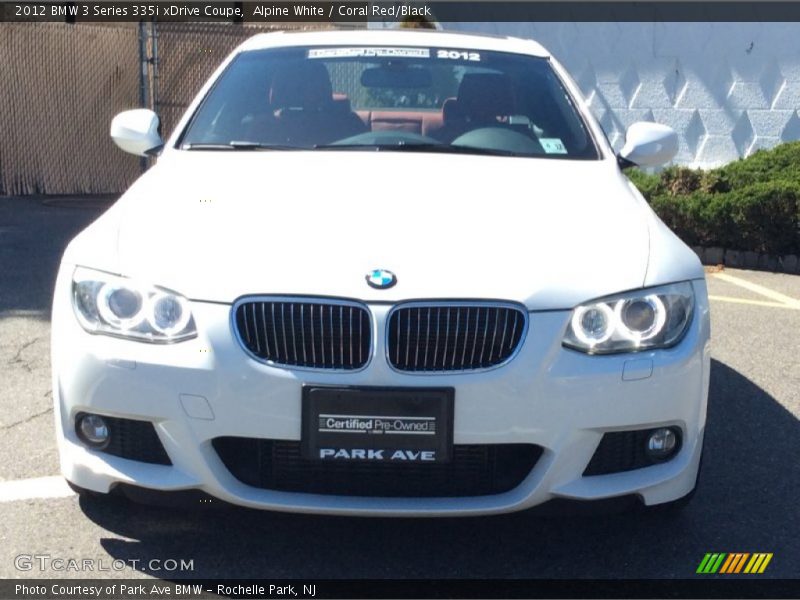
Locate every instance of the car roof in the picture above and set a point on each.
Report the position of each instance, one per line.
(395, 37)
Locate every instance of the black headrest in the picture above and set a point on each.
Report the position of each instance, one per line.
(450, 110)
(304, 84)
(485, 95)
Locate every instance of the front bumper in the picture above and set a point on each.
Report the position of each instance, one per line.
(205, 388)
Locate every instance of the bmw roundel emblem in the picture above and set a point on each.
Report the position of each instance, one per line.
(381, 279)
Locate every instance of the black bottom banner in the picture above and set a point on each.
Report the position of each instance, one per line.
(146, 589)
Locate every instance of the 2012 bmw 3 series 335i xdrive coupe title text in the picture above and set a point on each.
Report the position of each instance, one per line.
(383, 273)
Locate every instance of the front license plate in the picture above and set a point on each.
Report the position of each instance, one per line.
(397, 425)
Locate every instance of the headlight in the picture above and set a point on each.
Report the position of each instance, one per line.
(639, 320)
(113, 305)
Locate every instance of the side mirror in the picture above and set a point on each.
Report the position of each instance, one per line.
(136, 132)
(648, 145)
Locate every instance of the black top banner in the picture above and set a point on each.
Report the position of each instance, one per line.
(322, 11)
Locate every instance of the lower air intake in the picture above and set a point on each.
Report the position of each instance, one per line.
(476, 470)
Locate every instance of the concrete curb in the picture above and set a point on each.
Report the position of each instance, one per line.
(756, 261)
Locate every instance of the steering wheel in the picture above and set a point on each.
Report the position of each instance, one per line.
(499, 138)
(386, 138)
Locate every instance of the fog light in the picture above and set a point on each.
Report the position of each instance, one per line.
(662, 443)
(93, 430)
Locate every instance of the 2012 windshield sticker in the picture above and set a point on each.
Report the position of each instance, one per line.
(459, 55)
(369, 52)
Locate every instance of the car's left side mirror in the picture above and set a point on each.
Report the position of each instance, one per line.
(136, 132)
(648, 145)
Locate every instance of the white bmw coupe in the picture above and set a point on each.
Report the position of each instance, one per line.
(379, 273)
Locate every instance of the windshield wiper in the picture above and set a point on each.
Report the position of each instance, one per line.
(238, 145)
(337, 146)
(405, 147)
(424, 147)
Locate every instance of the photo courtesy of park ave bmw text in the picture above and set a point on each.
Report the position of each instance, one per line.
(400, 299)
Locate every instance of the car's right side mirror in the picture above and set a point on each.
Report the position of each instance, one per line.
(648, 145)
(136, 132)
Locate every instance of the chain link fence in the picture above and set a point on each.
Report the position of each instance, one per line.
(63, 83)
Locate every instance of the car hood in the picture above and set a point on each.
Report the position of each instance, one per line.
(219, 225)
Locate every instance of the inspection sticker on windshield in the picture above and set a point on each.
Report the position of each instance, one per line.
(553, 145)
(369, 52)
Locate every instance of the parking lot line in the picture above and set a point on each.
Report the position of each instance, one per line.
(753, 302)
(30, 489)
(782, 300)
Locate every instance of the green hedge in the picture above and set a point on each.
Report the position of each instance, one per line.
(750, 204)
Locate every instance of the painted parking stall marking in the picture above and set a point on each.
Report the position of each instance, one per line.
(36, 488)
(776, 299)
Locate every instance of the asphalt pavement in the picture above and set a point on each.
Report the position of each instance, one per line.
(746, 500)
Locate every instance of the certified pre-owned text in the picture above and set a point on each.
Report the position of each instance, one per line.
(373, 424)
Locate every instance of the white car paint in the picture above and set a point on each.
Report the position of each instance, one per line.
(547, 234)
(554, 221)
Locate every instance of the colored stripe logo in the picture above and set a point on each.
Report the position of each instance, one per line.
(734, 563)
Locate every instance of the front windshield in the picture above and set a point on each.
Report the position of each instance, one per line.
(390, 98)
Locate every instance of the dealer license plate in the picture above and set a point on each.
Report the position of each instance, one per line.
(411, 425)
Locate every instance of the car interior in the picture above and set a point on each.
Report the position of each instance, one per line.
(304, 109)
(303, 103)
